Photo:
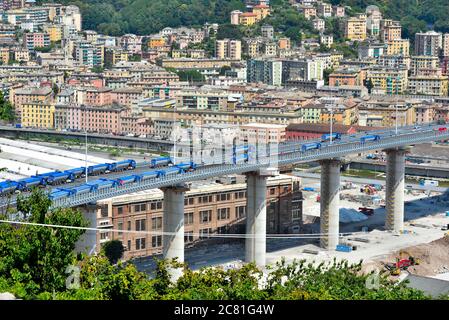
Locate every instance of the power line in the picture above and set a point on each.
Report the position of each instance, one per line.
(228, 235)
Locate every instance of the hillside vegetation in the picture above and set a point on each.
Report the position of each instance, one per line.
(116, 17)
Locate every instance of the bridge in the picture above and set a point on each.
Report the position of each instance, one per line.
(395, 144)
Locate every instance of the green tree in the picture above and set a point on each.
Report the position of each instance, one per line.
(113, 250)
(7, 112)
(34, 258)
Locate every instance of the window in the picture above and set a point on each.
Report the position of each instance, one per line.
(140, 207)
(129, 225)
(204, 233)
(296, 214)
(140, 243)
(205, 216)
(188, 218)
(223, 197)
(188, 236)
(240, 212)
(156, 223)
(140, 224)
(240, 195)
(120, 227)
(205, 199)
(119, 210)
(272, 190)
(156, 241)
(223, 213)
(188, 201)
(129, 244)
(156, 205)
(104, 235)
(104, 211)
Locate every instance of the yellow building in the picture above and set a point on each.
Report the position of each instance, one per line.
(336, 57)
(54, 31)
(114, 55)
(261, 11)
(38, 115)
(247, 19)
(156, 42)
(22, 55)
(388, 81)
(4, 55)
(355, 29)
(398, 47)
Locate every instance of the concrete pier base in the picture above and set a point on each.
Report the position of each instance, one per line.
(173, 224)
(256, 216)
(87, 243)
(330, 203)
(394, 191)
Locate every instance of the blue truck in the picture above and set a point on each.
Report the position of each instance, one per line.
(327, 136)
(28, 183)
(124, 165)
(102, 183)
(310, 146)
(8, 186)
(373, 137)
(60, 177)
(99, 168)
(77, 172)
(160, 161)
(128, 179)
(149, 175)
(343, 248)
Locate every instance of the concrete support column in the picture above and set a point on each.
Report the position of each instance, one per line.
(173, 224)
(256, 216)
(394, 191)
(87, 243)
(329, 203)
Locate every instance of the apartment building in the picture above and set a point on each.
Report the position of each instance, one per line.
(36, 40)
(267, 31)
(418, 63)
(428, 43)
(228, 49)
(247, 18)
(388, 80)
(101, 119)
(25, 95)
(390, 30)
(327, 40)
(319, 24)
(355, 28)
(428, 85)
(264, 133)
(38, 114)
(268, 71)
(202, 99)
(210, 208)
(325, 10)
(398, 47)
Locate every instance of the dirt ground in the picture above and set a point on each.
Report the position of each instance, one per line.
(434, 258)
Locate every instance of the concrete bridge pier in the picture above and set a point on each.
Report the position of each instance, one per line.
(173, 224)
(394, 191)
(330, 203)
(256, 215)
(87, 243)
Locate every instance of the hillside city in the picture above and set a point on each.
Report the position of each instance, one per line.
(343, 93)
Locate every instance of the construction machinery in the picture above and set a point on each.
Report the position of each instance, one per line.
(403, 262)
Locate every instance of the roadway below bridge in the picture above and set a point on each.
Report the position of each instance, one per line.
(92, 138)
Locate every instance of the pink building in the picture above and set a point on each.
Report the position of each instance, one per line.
(36, 40)
(101, 119)
(127, 96)
(264, 132)
(98, 96)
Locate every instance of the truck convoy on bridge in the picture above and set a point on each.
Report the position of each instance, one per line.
(162, 166)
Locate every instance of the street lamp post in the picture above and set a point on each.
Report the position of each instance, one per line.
(85, 135)
(331, 110)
